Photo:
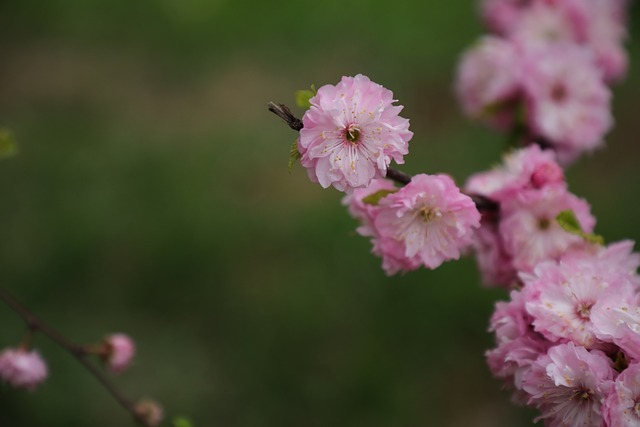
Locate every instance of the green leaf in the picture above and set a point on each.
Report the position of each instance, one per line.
(569, 222)
(303, 97)
(181, 422)
(8, 146)
(374, 198)
(294, 155)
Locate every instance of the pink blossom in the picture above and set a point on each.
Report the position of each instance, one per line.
(568, 103)
(622, 406)
(615, 258)
(602, 23)
(488, 80)
(563, 297)
(428, 221)
(351, 133)
(22, 369)
(120, 349)
(530, 231)
(568, 385)
(616, 318)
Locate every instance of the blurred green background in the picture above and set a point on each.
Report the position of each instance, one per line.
(151, 196)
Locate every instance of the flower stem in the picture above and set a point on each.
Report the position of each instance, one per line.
(78, 352)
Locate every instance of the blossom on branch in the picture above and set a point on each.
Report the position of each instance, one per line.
(119, 350)
(427, 222)
(21, 368)
(568, 103)
(351, 133)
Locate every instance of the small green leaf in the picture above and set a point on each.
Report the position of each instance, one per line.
(181, 422)
(569, 222)
(8, 146)
(374, 198)
(303, 97)
(294, 155)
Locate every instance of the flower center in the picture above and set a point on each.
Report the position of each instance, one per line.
(581, 394)
(428, 214)
(544, 223)
(558, 92)
(636, 409)
(352, 133)
(584, 310)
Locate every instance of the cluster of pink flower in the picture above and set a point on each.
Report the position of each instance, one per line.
(568, 341)
(27, 369)
(349, 136)
(544, 70)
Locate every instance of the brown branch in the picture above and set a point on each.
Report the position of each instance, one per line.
(78, 352)
(285, 114)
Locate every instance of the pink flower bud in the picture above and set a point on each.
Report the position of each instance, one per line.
(120, 349)
(22, 369)
(547, 173)
(149, 412)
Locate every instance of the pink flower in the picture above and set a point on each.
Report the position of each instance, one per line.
(568, 386)
(120, 349)
(531, 233)
(351, 133)
(602, 26)
(22, 369)
(488, 80)
(428, 221)
(564, 297)
(616, 318)
(568, 103)
(622, 406)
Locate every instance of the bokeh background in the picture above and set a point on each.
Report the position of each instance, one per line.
(151, 196)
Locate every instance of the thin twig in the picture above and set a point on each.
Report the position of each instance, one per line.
(285, 114)
(78, 352)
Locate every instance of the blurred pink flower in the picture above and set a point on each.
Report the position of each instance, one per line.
(568, 104)
(120, 349)
(530, 231)
(22, 369)
(488, 80)
(622, 406)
